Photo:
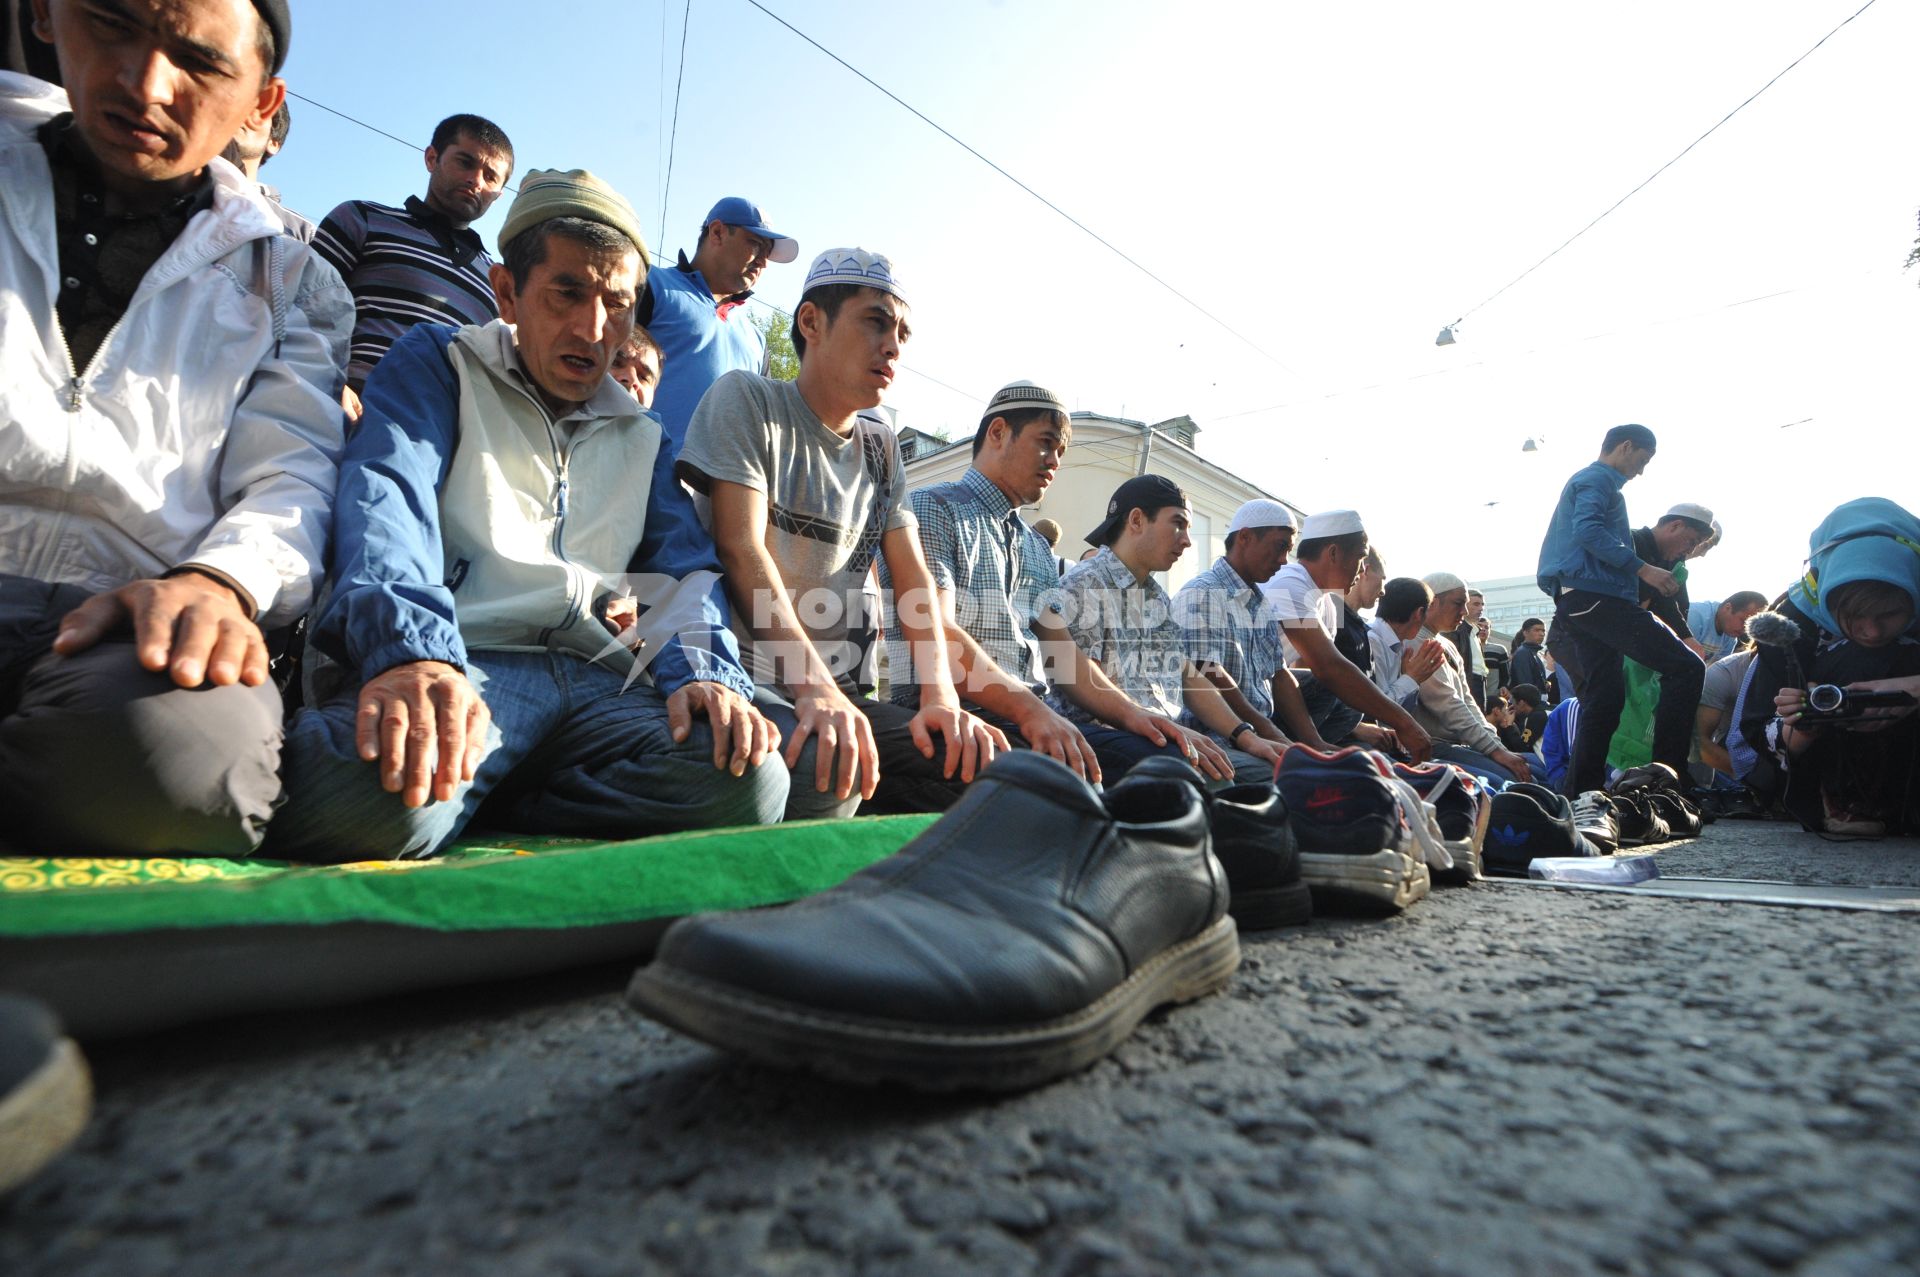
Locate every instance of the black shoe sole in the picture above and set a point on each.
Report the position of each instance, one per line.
(934, 1057)
(1271, 907)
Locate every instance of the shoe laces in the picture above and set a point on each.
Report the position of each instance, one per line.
(1423, 821)
(1592, 804)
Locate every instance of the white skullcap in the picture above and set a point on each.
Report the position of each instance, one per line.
(1260, 513)
(1331, 523)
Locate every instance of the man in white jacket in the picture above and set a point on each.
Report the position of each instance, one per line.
(170, 366)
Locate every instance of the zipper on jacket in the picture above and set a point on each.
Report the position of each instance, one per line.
(561, 456)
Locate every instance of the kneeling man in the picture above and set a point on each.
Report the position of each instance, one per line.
(502, 500)
(169, 428)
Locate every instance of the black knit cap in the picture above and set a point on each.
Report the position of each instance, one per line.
(279, 21)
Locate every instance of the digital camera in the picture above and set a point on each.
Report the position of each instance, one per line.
(1831, 703)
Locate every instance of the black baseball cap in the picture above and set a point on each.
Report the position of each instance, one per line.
(1151, 493)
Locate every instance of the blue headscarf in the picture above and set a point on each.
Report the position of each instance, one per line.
(1871, 539)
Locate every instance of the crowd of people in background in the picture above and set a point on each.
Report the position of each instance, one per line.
(335, 540)
(387, 533)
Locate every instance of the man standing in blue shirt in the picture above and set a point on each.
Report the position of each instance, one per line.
(1589, 568)
(697, 313)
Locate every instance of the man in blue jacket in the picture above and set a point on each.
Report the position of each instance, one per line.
(1589, 568)
(523, 609)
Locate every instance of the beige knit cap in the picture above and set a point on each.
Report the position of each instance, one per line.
(549, 193)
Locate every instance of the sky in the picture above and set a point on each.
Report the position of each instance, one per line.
(1330, 183)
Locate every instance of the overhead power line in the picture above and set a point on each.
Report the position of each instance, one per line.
(1391, 382)
(1104, 242)
(354, 119)
(673, 139)
(1664, 167)
(372, 128)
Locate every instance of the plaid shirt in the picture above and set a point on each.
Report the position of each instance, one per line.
(1225, 620)
(1129, 627)
(998, 568)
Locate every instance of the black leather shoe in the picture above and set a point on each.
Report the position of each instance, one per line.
(1020, 938)
(1252, 839)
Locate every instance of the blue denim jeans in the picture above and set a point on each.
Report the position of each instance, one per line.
(1485, 768)
(570, 751)
(1120, 751)
(1332, 717)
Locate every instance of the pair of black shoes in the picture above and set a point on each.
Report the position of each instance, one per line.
(1653, 807)
(1530, 822)
(1021, 937)
(1253, 838)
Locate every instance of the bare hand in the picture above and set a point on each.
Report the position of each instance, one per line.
(1694, 646)
(1414, 741)
(1263, 749)
(1660, 579)
(1513, 763)
(1419, 663)
(426, 725)
(742, 736)
(971, 742)
(843, 734)
(1199, 748)
(620, 615)
(189, 625)
(351, 402)
(1374, 736)
(1050, 734)
(1910, 685)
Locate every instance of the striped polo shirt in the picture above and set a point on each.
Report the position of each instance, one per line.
(404, 266)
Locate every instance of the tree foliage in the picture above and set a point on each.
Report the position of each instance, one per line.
(777, 331)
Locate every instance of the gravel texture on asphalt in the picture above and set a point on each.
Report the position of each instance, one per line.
(1506, 1079)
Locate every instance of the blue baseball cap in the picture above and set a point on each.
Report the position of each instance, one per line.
(735, 211)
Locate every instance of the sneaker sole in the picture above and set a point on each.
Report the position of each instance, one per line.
(1467, 867)
(44, 1115)
(1271, 907)
(934, 1057)
(1385, 880)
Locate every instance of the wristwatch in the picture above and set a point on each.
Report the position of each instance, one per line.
(1241, 726)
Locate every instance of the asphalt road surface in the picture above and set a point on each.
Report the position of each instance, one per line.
(1506, 1079)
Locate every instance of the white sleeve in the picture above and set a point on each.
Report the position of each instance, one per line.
(279, 465)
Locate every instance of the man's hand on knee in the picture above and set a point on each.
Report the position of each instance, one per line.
(426, 726)
(742, 735)
(191, 626)
(1513, 763)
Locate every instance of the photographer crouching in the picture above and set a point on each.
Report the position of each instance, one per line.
(1827, 716)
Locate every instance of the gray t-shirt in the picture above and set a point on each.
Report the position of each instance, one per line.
(1723, 681)
(829, 501)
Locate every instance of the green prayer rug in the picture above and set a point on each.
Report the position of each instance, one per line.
(129, 945)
